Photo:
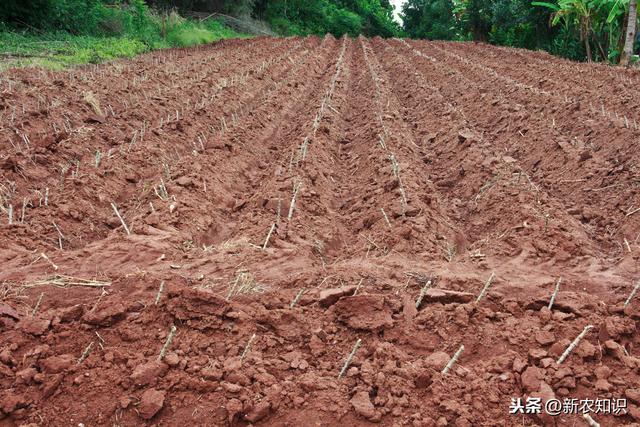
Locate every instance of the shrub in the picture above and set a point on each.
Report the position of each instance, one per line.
(342, 22)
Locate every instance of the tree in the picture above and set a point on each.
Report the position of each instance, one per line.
(627, 52)
(579, 13)
(369, 17)
(429, 19)
(479, 17)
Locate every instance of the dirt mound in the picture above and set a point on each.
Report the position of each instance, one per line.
(305, 231)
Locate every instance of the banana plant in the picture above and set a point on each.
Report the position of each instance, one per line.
(597, 20)
(580, 13)
(615, 25)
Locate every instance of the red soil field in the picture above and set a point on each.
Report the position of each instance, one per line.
(284, 198)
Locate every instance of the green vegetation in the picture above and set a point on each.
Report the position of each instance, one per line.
(60, 33)
(60, 50)
(352, 17)
(576, 29)
(303, 17)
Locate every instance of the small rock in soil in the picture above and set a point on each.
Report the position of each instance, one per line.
(559, 347)
(437, 360)
(328, 297)
(56, 364)
(615, 327)
(148, 373)
(545, 337)
(362, 405)
(151, 402)
(106, 316)
(586, 350)
(531, 379)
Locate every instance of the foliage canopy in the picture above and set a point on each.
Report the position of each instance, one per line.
(577, 29)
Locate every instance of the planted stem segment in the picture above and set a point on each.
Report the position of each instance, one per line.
(348, 361)
(296, 188)
(266, 241)
(43, 255)
(395, 168)
(297, 298)
(159, 295)
(358, 287)
(124, 224)
(555, 293)
(25, 202)
(60, 235)
(590, 421)
(423, 292)
(632, 294)
(247, 348)
(167, 344)
(574, 344)
(485, 289)
(35, 309)
(85, 353)
(453, 360)
(386, 218)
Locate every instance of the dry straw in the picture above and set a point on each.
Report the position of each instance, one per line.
(450, 252)
(67, 282)
(244, 283)
(161, 191)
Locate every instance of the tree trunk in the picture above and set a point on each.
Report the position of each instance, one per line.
(601, 49)
(627, 52)
(587, 47)
(585, 33)
(623, 33)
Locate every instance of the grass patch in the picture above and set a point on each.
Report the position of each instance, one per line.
(184, 33)
(60, 50)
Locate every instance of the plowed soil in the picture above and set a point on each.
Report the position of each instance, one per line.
(284, 198)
